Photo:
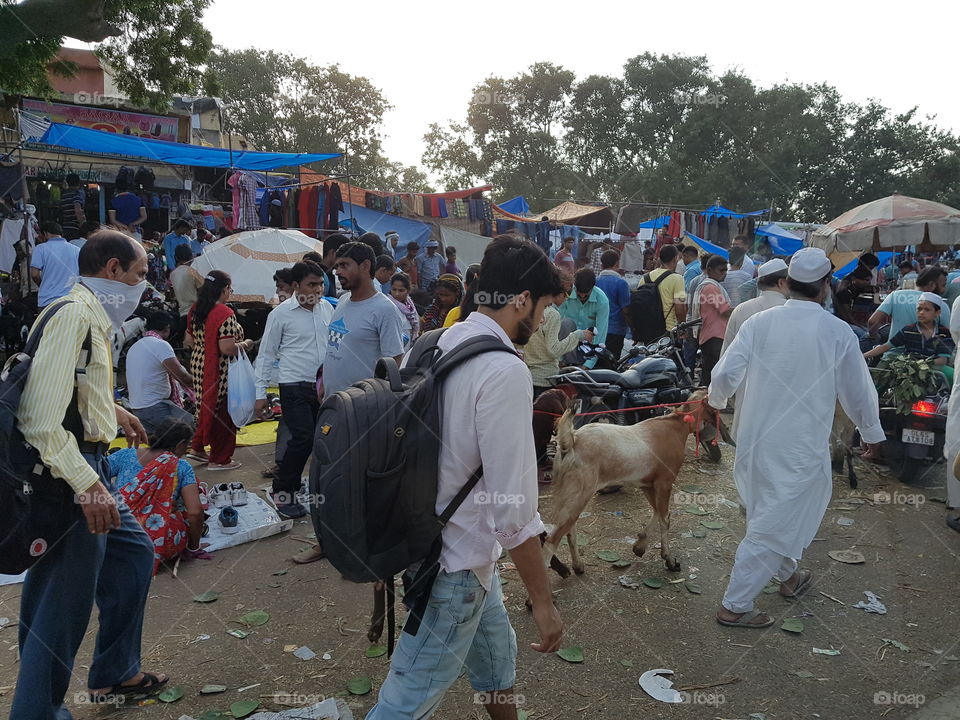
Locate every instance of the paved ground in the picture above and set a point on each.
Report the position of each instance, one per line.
(911, 562)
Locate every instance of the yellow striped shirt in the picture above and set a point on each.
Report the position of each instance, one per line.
(49, 389)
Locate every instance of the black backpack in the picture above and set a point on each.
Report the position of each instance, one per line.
(145, 177)
(125, 175)
(373, 481)
(647, 319)
(36, 509)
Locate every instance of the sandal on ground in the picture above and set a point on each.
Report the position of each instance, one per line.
(199, 458)
(806, 578)
(310, 555)
(232, 465)
(148, 684)
(746, 620)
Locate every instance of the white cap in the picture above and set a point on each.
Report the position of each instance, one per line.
(931, 298)
(771, 266)
(809, 265)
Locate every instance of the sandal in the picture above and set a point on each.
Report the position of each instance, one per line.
(232, 465)
(745, 620)
(806, 578)
(199, 458)
(148, 684)
(310, 555)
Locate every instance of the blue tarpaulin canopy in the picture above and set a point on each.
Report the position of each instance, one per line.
(709, 247)
(885, 259)
(782, 241)
(721, 211)
(516, 206)
(656, 223)
(367, 220)
(171, 153)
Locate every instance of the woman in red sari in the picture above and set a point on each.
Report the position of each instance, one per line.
(215, 336)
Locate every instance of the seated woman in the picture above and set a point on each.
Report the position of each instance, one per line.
(161, 491)
(447, 295)
(926, 338)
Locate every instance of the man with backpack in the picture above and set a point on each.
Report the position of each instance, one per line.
(485, 420)
(611, 282)
(659, 304)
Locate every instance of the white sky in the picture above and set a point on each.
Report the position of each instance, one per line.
(427, 56)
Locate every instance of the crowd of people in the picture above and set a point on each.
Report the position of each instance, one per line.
(338, 314)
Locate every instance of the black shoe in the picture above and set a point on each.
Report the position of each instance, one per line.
(291, 510)
(954, 523)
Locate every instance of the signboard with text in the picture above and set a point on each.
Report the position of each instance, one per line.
(154, 127)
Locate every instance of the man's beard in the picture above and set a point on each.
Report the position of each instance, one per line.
(525, 329)
(344, 282)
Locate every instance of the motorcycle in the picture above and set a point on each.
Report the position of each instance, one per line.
(648, 375)
(915, 440)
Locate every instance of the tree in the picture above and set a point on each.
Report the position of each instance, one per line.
(154, 49)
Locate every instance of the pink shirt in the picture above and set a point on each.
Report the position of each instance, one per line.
(712, 306)
(564, 260)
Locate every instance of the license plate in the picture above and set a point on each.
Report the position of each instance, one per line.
(917, 437)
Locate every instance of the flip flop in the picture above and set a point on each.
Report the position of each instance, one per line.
(198, 458)
(308, 556)
(802, 586)
(148, 685)
(745, 620)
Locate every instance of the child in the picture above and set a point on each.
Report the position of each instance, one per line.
(400, 294)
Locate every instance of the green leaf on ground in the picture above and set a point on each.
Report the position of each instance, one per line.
(712, 524)
(375, 651)
(699, 533)
(170, 695)
(622, 564)
(280, 572)
(254, 618)
(898, 645)
(273, 585)
(803, 674)
(654, 582)
(693, 587)
(572, 654)
(793, 625)
(771, 588)
(608, 556)
(627, 663)
(207, 597)
(212, 715)
(359, 685)
(242, 708)
(212, 689)
(693, 489)
(694, 510)
(522, 715)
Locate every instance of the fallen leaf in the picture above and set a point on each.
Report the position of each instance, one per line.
(622, 564)
(850, 557)
(699, 533)
(207, 597)
(280, 572)
(359, 685)
(693, 587)
(522, 715)
(898, 645)
(170, 695)
(712, 524)
(627, 663)
(771, 589)
(803, 673)
(212, 715)
(654, 582)
(792, 625)
(375, 651)
(254, 618)
(693, 489)
(242, 708)
(572, 654)
(608, 556)
(694, 510)
(212, 689)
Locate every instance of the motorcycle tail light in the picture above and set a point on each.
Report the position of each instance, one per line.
(924, 408)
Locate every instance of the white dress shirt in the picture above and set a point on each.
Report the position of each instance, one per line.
(486, 417)
(299, 338)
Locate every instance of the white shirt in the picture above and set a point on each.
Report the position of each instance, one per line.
(486, 417)
(299, 337)
(792, 363)
(147, 380)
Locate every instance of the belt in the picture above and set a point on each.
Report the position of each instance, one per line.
(304, 384)
(94, 448)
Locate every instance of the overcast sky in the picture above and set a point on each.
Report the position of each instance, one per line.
(427, 56)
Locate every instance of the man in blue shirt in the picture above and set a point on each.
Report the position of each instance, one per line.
(429, 266)
(588, 307)
(618, 296)
(179, 236)
(691, 270)
(54, 265)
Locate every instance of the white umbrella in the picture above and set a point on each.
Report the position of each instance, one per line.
(890, 222)
(251, 258)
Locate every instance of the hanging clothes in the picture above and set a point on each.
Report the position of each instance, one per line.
(245, 211)
(441, 207)
(321, 217)
(334, 207)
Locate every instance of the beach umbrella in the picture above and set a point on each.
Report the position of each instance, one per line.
(891, 222)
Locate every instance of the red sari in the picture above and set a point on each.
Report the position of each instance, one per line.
(209, 368)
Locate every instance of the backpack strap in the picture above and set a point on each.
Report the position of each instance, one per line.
(656, 283)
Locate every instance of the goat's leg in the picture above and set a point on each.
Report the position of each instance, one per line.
(556, 564)
(663, 490)
(575, 559)
(572, 496)
(640, 546)
(851, 474)
(379, 612)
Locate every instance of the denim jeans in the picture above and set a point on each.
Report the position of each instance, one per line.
(463, 626)
(152, 416)
(113, 570)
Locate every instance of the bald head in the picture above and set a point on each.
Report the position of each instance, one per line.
(112, 255)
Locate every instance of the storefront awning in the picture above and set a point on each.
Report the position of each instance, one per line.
(171, 153)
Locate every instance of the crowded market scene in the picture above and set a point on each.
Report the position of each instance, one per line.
(558, 416)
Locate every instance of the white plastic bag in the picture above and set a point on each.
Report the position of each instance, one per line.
(241, 390)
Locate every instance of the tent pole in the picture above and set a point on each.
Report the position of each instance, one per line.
(346, 167)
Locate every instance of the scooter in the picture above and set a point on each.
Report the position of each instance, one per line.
(648, 375)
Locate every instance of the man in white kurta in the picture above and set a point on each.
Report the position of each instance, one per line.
(791, 363)
(772, 283)
(951, 447)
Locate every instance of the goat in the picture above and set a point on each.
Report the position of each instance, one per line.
(547, 409)
(841, 437)
(648, 455)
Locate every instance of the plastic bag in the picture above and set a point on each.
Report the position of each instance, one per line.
(241, 390)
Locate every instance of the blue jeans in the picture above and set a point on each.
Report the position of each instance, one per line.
(113, 570)
(464, 625)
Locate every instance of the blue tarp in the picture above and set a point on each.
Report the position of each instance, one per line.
(516, 206)
(368, 220)
(782, 241)
(656, 223)
(721, 211)
(709, 247)
(885, 259)
(171, 153)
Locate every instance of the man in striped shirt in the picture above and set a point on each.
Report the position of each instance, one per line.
(105, 555)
